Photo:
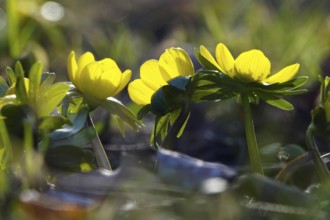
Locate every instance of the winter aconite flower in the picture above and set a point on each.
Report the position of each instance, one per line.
(96, 79)
(154, 74)
(249, 66)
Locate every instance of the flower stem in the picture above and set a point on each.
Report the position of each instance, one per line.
(319, 165)
(251, 137)
(101, 156)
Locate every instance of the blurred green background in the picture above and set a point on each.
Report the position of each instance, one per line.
(295, 31)
(133, 31)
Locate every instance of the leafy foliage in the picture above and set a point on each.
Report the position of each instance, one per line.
(321, 113)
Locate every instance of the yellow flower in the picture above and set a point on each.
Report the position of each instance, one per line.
(250, 66)
(96, 79)
(154, 74)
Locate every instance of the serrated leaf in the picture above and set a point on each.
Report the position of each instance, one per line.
(51, 98)
(115, 107)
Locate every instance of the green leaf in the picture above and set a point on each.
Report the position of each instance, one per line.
(78, 122)
(120, 124)
(3, 87)
(47, 79)
(143, 111)
(34, 82)
(19, 71)
(160, 124)
(204, 62)
(276, 101)
(284, 92)
(51, 98)
(166, 99)
(51, 123)
(174, 115)
(69, 158)
(221, 94)
(289, 85)
(11, 75)
(179, 82)
(115, 107)
(79, 139)
(183, 126)
(20, 91)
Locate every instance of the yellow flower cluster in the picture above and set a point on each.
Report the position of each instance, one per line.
(101, 79)
(249, 66)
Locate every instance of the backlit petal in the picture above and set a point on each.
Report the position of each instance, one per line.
(207, 55)
(224, 59)
(83, 61)
(139, 92)
(283, 75)
(89, 84)
(125, 78)
(150, 74)
(72, 66)
(252, 66)
(175, 62)
(110, 77)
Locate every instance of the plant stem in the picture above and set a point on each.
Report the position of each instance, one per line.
(319, 165)
(251, 136)
(101, 156)
(7, 153)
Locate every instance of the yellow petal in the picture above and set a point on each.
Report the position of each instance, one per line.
(283, 75)
(252, 66)
(72, 66)
(90, 84)
(83, 61)
(125, 78)
(150, 74)
(139, 92)
(224, 59)
(207, 55)
(175, 62)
